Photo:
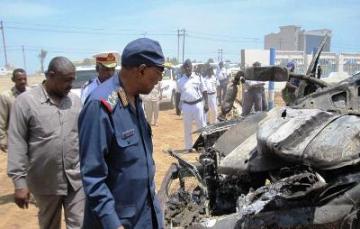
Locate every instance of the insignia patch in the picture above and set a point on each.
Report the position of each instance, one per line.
(127, 133)
(111, 101)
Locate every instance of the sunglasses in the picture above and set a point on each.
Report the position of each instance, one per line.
(158, 68)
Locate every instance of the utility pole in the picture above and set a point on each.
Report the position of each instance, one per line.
(220, 55)
(271, 86)
(178, 47)
(183, 47)
(24, 58)
(4, 44)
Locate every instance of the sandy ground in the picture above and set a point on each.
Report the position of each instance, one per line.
(168, 134)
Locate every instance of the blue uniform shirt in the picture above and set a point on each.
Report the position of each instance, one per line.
(88, 87)
(116, 161)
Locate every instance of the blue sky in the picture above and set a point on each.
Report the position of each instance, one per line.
(78, 29)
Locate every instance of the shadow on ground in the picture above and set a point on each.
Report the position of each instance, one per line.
(9, 198)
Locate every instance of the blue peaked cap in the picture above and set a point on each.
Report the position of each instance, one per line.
(143, 51)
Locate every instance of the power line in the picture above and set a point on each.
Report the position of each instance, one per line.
(68, 31)
(91, 29)
(68, 26)
(96, 31)
(219, 39)
(102, 31)
(54, 50)
(228, 37)
(130, 32)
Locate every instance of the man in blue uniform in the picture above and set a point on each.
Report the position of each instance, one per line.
(116, 147)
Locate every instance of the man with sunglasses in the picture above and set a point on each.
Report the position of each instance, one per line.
(116, 161)
(105, 67)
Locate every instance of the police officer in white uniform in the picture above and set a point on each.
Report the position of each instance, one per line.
(105, 67)
(193, 97)
(211, 85)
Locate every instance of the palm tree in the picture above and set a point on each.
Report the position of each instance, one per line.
(42, 56)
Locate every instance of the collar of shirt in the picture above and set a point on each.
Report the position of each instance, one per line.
(44, 97)
(15, 91)
(98, 81)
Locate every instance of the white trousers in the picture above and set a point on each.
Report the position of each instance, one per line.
(213, 112)
(194, 112)
(152, 110)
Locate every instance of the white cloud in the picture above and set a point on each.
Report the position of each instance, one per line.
(25, 9)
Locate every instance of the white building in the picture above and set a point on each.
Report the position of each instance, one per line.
(329, 61)
(293, 38)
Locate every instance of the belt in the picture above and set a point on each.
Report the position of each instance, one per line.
(211, 93)
(193, 102)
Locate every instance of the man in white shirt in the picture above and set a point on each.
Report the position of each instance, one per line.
(193, 97)
(152, 103)
(211, 84)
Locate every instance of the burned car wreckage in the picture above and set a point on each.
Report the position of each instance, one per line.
(292, 167)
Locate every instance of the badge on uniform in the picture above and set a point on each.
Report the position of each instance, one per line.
(110, 102)
(127, 133)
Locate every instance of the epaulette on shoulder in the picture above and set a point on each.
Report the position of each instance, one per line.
(123, 97)
(111, 101)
